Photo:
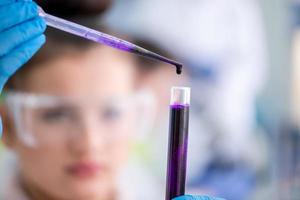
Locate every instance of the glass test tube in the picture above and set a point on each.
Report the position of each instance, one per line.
(178, 142)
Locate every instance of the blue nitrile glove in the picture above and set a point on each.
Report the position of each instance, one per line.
(21, 35)
(192, 197)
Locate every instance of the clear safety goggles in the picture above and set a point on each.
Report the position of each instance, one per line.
(48, 120)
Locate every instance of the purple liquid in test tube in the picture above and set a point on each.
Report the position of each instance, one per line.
(178, 142)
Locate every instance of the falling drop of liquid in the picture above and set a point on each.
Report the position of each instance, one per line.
(178, 69)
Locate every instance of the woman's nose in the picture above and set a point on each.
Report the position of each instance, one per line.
(89, 138)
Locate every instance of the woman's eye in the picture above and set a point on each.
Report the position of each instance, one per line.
(112, 113)
(55, 115)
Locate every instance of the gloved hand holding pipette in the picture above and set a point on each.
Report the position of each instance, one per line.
(21, 32)
(21, 35)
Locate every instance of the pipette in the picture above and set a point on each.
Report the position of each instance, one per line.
(103, 38)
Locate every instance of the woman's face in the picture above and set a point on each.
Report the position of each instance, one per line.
(86, 166)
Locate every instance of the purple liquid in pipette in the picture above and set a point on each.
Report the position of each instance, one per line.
(103, 38)
(177, 152)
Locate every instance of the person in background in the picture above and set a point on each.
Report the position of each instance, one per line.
(68, 115)
(223, 48)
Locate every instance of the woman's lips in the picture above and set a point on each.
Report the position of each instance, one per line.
(84, 169)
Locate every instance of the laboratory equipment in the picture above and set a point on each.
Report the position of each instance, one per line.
(178, 142)
(104, 38)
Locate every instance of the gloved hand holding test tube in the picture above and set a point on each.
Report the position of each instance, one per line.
(178, 146)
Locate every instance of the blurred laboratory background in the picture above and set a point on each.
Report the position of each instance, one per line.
(242, 61)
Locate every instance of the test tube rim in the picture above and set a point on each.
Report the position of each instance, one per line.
(187, 93)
